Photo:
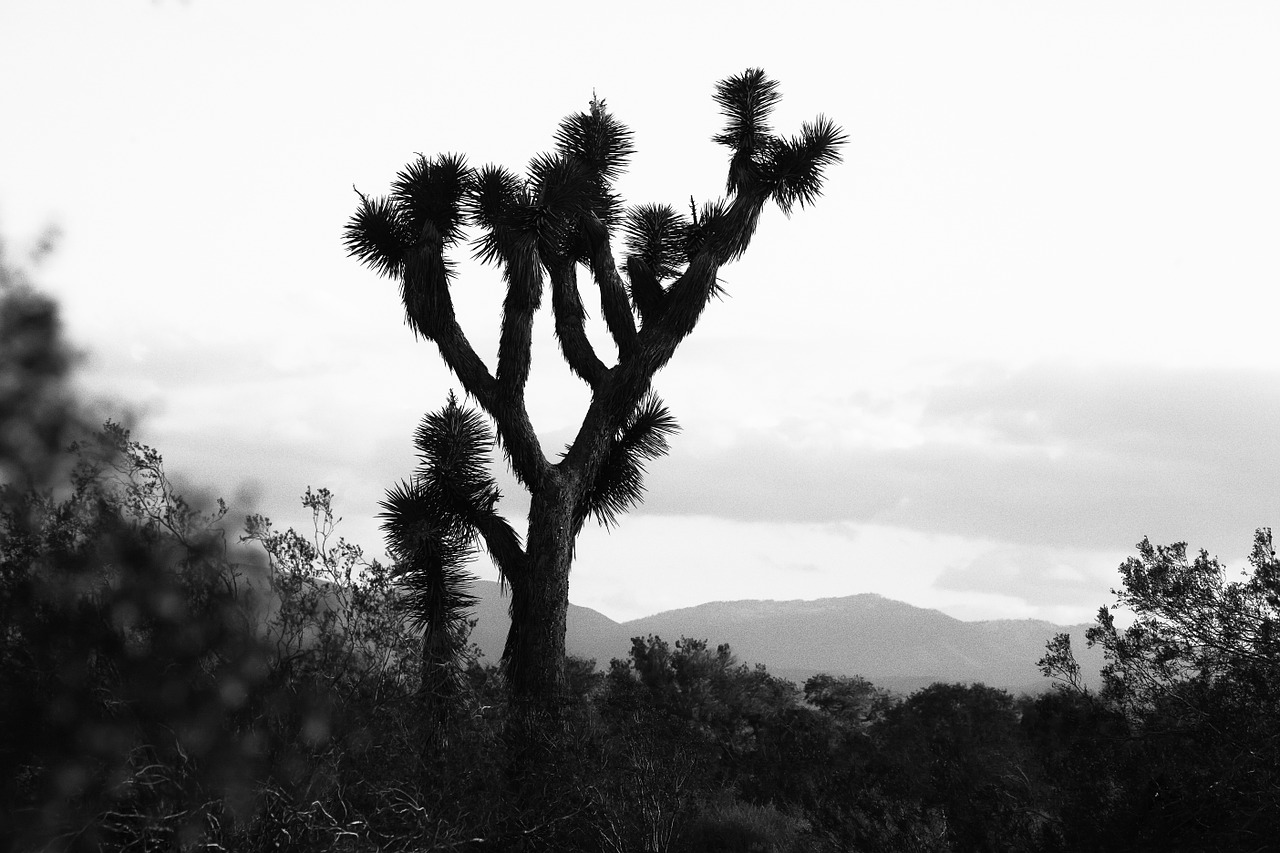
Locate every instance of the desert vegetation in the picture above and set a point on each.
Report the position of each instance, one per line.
(170, 682)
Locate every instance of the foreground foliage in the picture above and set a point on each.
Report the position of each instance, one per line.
(166, 687)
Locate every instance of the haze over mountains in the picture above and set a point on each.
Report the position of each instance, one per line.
(893, 644)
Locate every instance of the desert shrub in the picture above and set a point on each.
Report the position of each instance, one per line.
(161, 689)
(127, 655)
(331, 614)
(728, 825)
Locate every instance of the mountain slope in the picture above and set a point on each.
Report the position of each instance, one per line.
(888, 642)
(891, 643)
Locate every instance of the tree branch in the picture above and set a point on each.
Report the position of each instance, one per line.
(729, 235)
(571, 331)
(430, 308)
(503, 544)
(427, 301)
(519, 440)
(624, 386)
(524, 295)
(646, 291)
(613, 295)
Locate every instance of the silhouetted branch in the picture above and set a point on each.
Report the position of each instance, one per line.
(613, 295)
(571, 331)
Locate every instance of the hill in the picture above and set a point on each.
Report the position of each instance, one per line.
(888, 642)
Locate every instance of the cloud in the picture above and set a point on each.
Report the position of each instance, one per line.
(653, 563)
(1014, 491)
(1065, 577)
(1047, 456)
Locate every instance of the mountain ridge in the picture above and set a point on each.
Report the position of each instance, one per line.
(892, 643)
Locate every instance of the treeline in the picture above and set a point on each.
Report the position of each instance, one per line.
(168, 685)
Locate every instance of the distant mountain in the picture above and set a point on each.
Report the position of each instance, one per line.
(892, 644)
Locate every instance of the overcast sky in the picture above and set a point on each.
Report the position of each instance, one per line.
(1031, 320)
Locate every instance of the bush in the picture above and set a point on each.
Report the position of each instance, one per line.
(731, 826)
(127, 659)
(155, 691)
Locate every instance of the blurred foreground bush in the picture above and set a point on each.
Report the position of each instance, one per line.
(156, 688)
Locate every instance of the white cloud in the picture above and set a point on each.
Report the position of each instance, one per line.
(1044, 456)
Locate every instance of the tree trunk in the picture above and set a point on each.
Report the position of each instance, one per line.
(535, 651)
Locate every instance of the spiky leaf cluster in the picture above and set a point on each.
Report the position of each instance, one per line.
(378, 235)
(620, 483)
(796, 168)
(453, 447)
(431, 521)
(497, 204)
(656, 235)
(556, 205)
(746, 100)
(426, 204)
(790, 170)
(706, 227)
(562, 193)
(432, 192)
(601, 145)
(597, 139)
(430, 557)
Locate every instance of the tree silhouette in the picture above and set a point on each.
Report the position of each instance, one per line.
(539, 229)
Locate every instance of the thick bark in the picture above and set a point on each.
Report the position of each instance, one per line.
(535, 650)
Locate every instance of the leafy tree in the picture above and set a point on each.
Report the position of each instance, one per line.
(1195, 679)
(732, 739)
(539, 229)
(851, 699)
(711, 690)
(955, 750)
(1085, 758)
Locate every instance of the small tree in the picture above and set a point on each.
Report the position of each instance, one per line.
(1196, 681)
(541, 228)
(1195, 634)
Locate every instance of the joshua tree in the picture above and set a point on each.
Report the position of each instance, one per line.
(537, 229)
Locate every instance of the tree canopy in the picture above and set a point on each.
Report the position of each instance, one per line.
(1195, 677)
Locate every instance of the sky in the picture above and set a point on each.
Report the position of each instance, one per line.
(1030, 321)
